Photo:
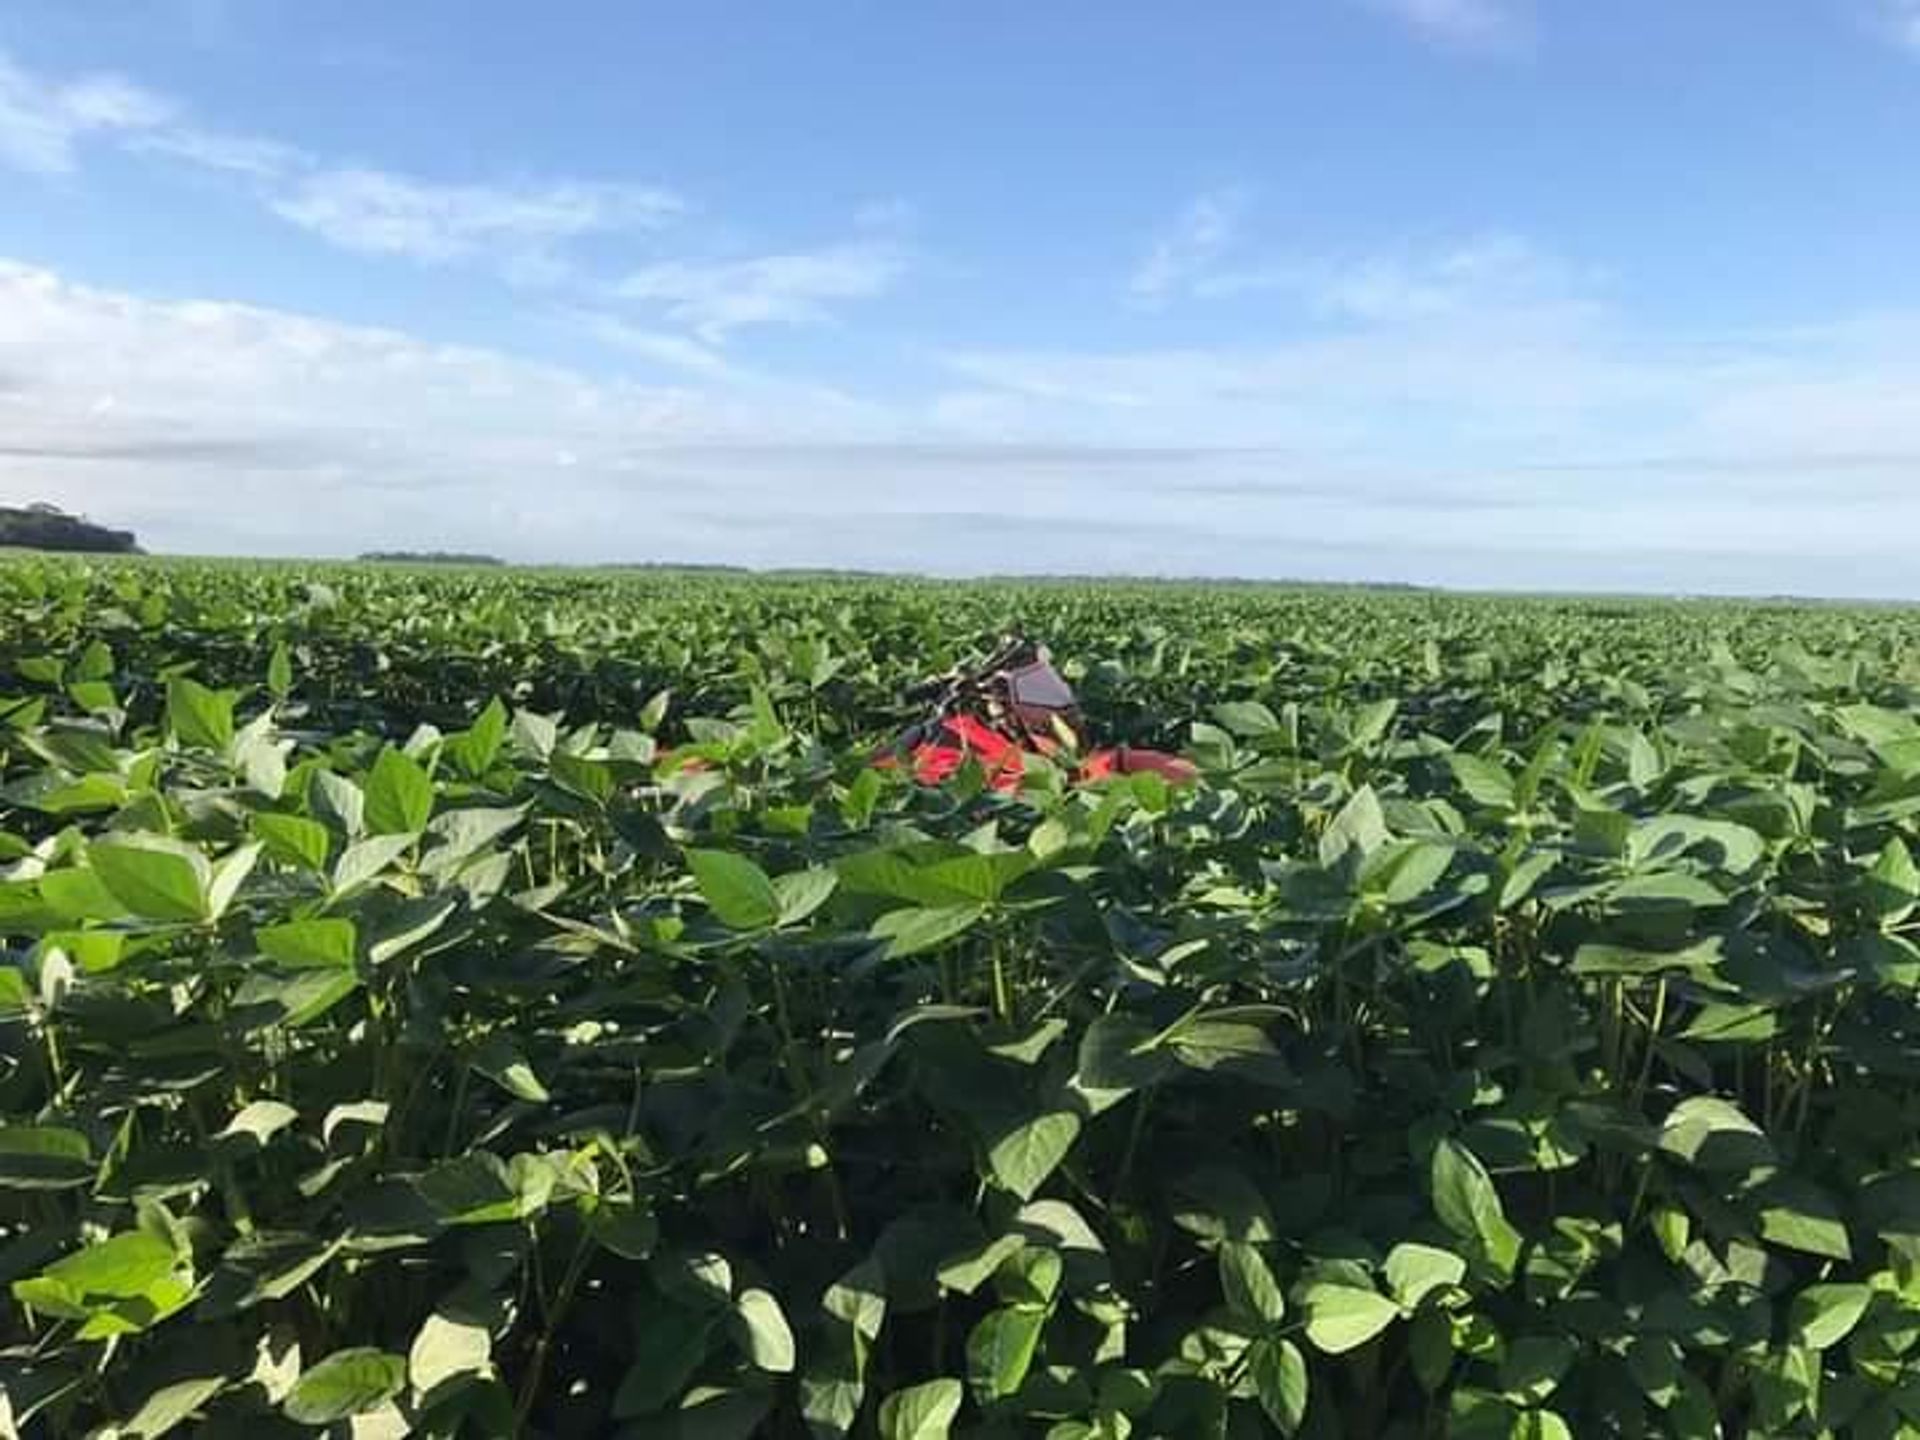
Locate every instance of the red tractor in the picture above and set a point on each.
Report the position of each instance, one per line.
(998, 712)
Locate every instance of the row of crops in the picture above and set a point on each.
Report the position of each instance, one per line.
(461, 1004)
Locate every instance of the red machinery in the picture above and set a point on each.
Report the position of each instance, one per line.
(1009, 706)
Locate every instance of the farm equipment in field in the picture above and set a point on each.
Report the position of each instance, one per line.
(1004, 709)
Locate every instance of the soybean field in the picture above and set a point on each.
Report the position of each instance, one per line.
(459, 1003)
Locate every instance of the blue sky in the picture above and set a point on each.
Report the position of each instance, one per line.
(1505, 293)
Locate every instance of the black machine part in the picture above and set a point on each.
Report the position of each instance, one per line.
(1015, 685)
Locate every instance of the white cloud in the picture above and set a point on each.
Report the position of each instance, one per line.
(1190, 247)
(1461, 24)
(42, 122)
(211, 425)
(108, 102)
(713, 298)
(379, 213)
(1528, 446)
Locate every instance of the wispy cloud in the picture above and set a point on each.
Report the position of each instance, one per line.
(1494, 272)
(1189, 248)
(378, 213)
(1207, 254)
(1483, 272)
(41, 122)
(1482, 25)
(244, 155)
(45, 121)
(1899, 21)
(714, 298)
(518, 227)
(677, 352)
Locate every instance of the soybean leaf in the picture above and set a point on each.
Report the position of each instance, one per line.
(1467, 1203)
(802, 892)
(1030, 1276)
(448, 1347)
(295, 840)
(1893, 884)
(230, 872)
(1246, 719)
(280, 672)
(265, 999)
(474, 750)
(1344, 1317)
(1118, 1055)
(625, 1227)
(301, 943)
(1534, 1365)
(367, 860)
(534, 734)
(1249, 1285)
(735, 889)
(763, 1326)
(501, 1061)
(1356, 832)
(399, 795)
(669, 1345)
(170, 1406)
(1000, 1350)
(1713, 1134)
(1486, 782)
(1280, 1380)
(834, 1386)
(44, 1157)
(1231, 1048)
(922, 1412)
(338, 798)
(80, 895)
(260, 1120)
(1796, 1213)
(123, 1266)
(155, 877)
(1220, 1203)
(973, 1267)
(198, 716)
(1415, 1271)
(1024, 1156)
(347, 1383)
(474, 1189)
(1822, 1316)
(920, 928)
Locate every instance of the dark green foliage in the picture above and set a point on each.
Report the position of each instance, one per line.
(463, 1005)
(430, 557)
(45, 527)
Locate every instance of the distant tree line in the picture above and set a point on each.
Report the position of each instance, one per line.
(675, 567)
(40, 526)
(430, 557)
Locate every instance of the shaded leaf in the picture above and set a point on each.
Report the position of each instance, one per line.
(347, 1383)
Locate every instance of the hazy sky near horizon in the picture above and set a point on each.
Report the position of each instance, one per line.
(1477, 292)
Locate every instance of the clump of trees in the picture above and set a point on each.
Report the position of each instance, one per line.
(40, 526)
(430, 557)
